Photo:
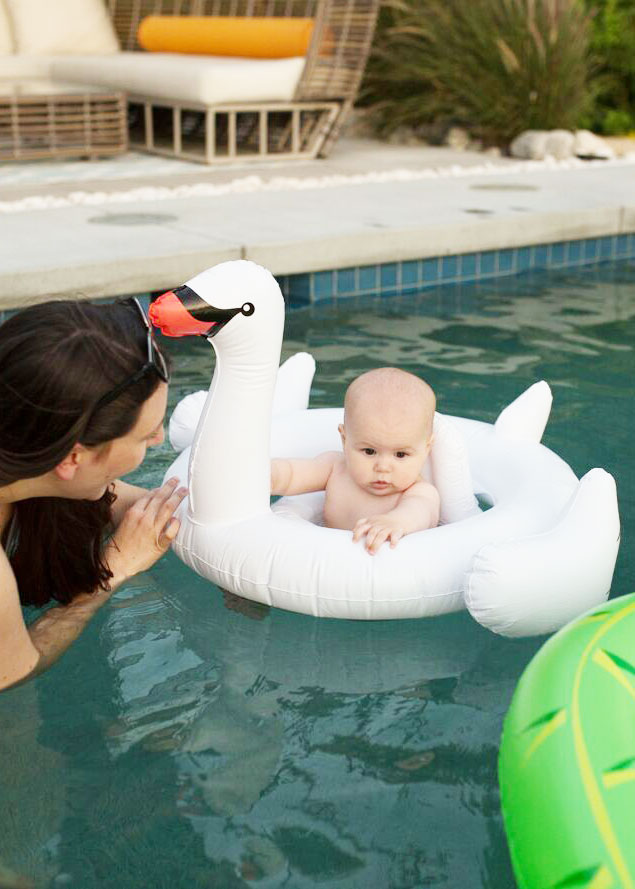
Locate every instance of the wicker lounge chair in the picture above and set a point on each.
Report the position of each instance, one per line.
(306, 126)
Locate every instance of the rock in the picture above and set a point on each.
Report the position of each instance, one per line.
(622, 146)
(559, 144)
(493, 151)
(358, 125)
(431, 133)
(588, 145)
(457, 138)
(536, 145)
(403, 136)
(529, 145)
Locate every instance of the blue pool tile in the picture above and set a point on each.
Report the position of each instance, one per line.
(469, 265)
(606, 248)
(622, 245)
(556, 254)
(488, 263)
(449, 267)
(283, 283)
(523, 261)
(590, 248)
(505, 260)
(410, 273)
(346, 282)
(388, 275)
(541, 256)
(297, 289)
(430, 270)
(322, 285)
(575, 252)
(393, 278)
(368, 277)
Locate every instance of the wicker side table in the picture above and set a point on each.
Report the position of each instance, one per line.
(45, 119)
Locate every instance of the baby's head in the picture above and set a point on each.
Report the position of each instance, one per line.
(387, 429)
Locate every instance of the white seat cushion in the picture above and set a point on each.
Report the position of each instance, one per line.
(64, 26)
(6, 34)
(210, 80)
(21, 66)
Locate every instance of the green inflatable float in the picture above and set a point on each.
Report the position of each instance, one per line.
(567, 759)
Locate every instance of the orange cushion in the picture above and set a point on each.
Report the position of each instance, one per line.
(248, 36)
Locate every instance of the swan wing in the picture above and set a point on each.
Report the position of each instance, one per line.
(293, 386)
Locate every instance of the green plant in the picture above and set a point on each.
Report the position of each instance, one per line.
(616, 121)
(495, 66)
(612, 49)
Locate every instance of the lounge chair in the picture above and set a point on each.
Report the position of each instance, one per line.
(218, 109)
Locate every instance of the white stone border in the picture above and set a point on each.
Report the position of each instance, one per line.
(254, 183)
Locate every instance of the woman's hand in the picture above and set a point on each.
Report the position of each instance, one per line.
(145, 532)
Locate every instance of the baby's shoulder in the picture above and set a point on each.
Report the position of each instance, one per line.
(333, 458)
(337, 467)
(422, 488)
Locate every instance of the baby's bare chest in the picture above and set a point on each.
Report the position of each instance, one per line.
(345, 502)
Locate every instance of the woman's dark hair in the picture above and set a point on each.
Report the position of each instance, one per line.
(56, 361)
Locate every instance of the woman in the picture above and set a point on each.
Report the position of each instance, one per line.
(83, 391)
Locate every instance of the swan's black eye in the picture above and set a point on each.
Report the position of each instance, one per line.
(247, 309)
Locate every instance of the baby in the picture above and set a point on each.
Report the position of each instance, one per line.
(374, 488)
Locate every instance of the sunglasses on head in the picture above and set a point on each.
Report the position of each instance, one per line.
(155, 363)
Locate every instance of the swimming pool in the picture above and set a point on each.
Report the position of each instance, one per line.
(191, 739)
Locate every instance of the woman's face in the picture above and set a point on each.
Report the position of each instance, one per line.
(101, 465)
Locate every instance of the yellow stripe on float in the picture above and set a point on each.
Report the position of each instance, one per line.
(546, 731)
(619, 776)
(593, 618)
(602, 879)
(602, 659)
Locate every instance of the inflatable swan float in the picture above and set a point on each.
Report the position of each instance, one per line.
(542, 554)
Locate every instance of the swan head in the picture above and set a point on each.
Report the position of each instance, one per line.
(208, 302)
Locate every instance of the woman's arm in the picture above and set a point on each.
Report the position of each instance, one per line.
(145, 533)
(18, 654)
(127, 496)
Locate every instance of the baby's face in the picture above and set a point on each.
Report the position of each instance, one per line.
(386, 446)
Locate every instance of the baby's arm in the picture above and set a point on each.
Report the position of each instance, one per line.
(417, 510)
(300, 476)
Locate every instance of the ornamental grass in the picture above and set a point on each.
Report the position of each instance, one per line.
(497, 67)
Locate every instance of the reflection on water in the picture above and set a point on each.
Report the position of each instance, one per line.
(193, 739)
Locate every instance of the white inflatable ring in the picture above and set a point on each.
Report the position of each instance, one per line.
(543, 553)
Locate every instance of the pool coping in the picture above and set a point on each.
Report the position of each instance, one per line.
(356, 235)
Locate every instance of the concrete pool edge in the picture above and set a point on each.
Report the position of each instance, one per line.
(321, 243)
(381, 279)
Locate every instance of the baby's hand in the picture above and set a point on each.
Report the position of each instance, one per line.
(378, 529)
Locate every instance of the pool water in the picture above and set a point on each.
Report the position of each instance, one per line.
(193, 739)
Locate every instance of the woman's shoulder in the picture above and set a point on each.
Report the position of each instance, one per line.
(18, 655)
(6, 514)
(7, 533)
(8, 585)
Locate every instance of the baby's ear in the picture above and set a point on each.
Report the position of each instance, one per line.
(342, 433)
